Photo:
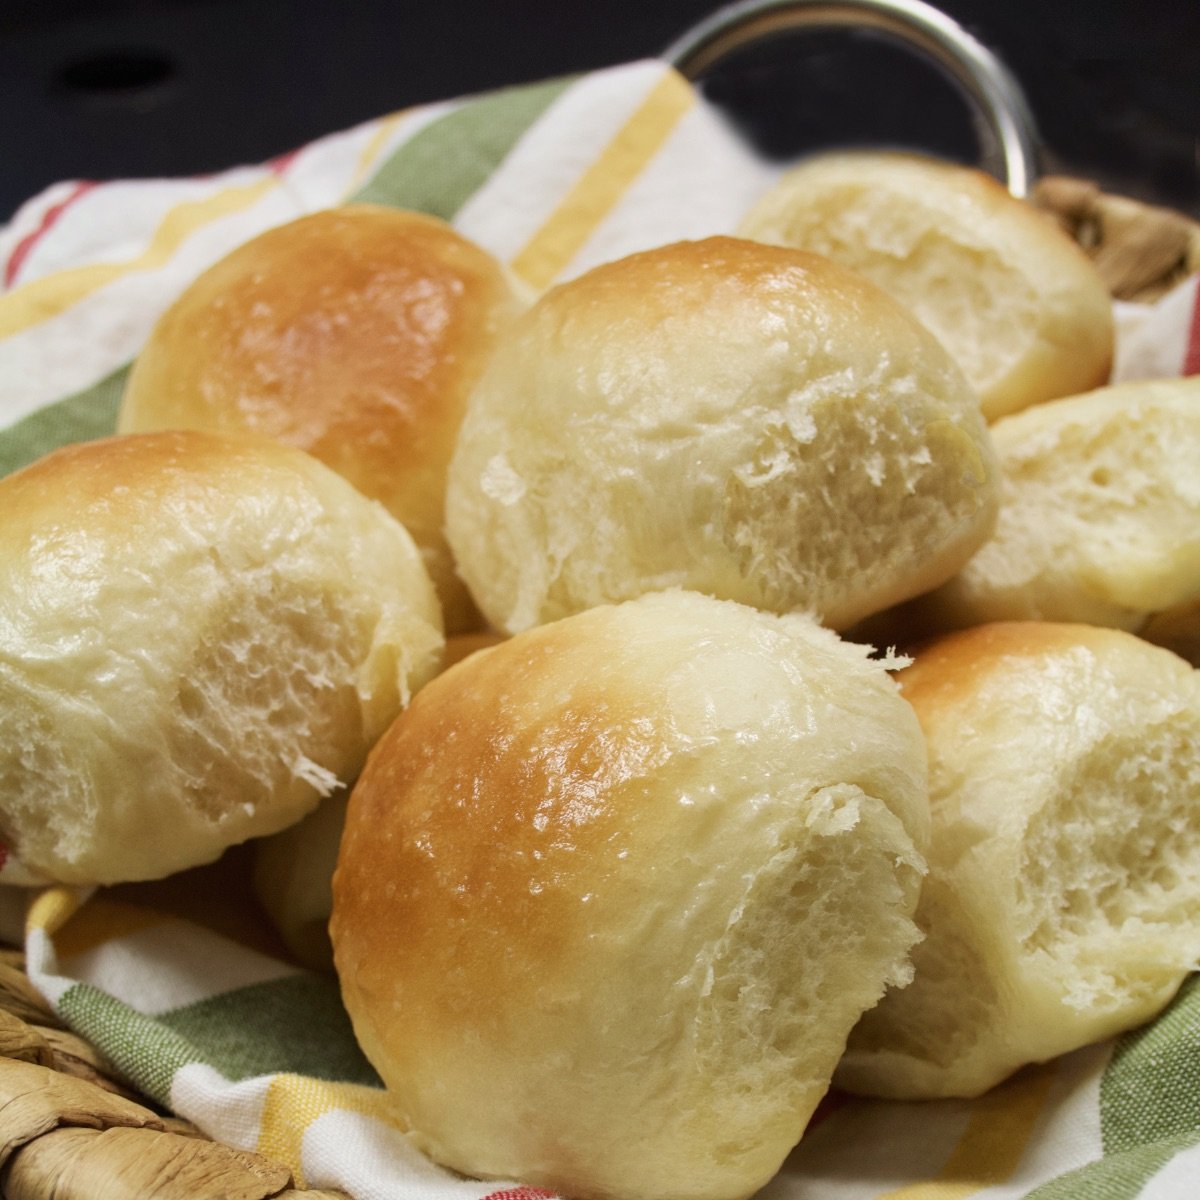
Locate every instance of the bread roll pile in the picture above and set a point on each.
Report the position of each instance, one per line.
(616, 889)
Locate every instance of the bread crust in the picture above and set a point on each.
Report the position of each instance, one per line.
(293, 869)
(355, 334)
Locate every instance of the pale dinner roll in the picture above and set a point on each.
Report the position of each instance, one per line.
(1019, 306)
(200, 635)
(612, 893)
(731, 418)
(293, 869)
(356, 334)
(1062, 904)
(1099, 518)
(293, 872)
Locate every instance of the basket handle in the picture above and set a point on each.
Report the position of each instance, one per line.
(1002, 118)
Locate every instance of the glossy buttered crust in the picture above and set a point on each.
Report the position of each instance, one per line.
(612, 893)
(1062, 904)
(1014, 300)
(742, 420)
(293, 870)
(199, 636)
(355, 334)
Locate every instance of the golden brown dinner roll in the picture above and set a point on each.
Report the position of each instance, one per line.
(1099, 518)
(1063, 898)
(1012, 297)
(200, 635)
(293, 869)
(612, 893)
(737, 419)
(356, 334)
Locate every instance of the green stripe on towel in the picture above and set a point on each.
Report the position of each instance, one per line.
(89, 414)
(1149, 1106)
(443, 165)
(143, 1050)
(293, 1024)
(1151, 1090)
(1116, 1176)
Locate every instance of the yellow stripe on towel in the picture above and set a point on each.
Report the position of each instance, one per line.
(994, 1142)
(42, 299)
(93, 924)
(294, 1102)
(54, 907)
(600, 187)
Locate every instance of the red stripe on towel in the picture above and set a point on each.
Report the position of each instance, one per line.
(26, 244)
(1191, 355)
(281, 162)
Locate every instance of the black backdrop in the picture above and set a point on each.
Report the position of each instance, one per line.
(108, 88)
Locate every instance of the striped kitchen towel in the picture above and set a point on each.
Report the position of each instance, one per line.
(203, 1014)
(260, 1054)
(552, 178)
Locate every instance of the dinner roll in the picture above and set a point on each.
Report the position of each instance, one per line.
(612, 893)
(1063, 899)
(200, 635)
(293, 869)
(1100, 514)
(1019, 306)
(292, 878)
(356, 334)
(742, 420)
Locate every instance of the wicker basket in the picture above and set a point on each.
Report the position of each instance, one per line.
(1140, 250)
(71, 1130)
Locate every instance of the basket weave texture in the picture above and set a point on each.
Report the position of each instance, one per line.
(69, 1129)
(1141, 250)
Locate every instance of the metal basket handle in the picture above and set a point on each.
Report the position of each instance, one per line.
(1002, 118)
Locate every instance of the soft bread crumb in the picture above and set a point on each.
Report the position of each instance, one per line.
(1063, 900)
(1017, 304)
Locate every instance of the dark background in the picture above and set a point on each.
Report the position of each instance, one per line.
(110, 88)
